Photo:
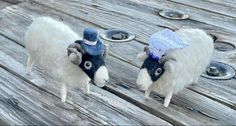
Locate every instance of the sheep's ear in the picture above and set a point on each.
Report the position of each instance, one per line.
(166, 58)
(74, 52)
(106, 51)
(142, 56)
(170, 65)
(77, 47)
(146, 49)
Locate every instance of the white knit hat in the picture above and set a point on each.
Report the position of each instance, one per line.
(162, 41)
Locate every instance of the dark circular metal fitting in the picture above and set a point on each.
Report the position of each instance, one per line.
(116, 35)
(223, 46)
(173, 15)
(219, 71)
(212, 71)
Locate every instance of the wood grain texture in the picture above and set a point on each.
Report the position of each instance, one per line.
(4, 4)
(17, 18)
(228, 3)
(77, 98)
(128, 11)
(130, 50)
(16, 30)
(97, 106)
(24, 104)
(209, 6)
(195, 13)
(14, 1)
(128, 90)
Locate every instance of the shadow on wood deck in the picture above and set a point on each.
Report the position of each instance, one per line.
(34, 99)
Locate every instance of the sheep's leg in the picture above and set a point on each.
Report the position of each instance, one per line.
(147, 92)
(87, 88)
(30, 63)
(63, 92)
(196, 80)
(167, 99)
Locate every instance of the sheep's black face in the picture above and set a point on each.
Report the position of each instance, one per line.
(150, 72)
(154, 68)
(94, 67)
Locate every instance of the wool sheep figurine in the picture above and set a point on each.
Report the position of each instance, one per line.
(176, 68)
(50, 44)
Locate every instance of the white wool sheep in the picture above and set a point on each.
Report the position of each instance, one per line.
(46, 41)
(179, 67)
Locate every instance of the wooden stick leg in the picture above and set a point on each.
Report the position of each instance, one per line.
(63, 92)
(30, 63)
(147, 92)
(196, 80)
(167, 99)
(88, 88)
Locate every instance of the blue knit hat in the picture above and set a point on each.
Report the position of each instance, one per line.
(91, 44)
(90, 35)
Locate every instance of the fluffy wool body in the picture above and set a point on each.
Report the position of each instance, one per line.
(189, 64)
(46, 41)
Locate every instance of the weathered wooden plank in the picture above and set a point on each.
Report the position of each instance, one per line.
(229, 3)
(214, 90)
(123, 78)
(109, 20)
(14, 1)
(4, 4)
(123, 84)
(126, 13)
(214, 111)
(76, 97)
(195, 14)
(209, 6)
(20, 31)
(149, 16)
(128, 52)
(221, 91)
(128, 88)
(24, 104)
(171, 114)
(97, 103)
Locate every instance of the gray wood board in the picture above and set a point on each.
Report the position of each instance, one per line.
(18, 32)
(17, 37)
(135, 113)
(209, 6)
(212, 109)
(134, 15)
(24, 104)
(229, 3)
(130, 50)
(195, 13)
(14, 60)
(14, 1)
(4, 4)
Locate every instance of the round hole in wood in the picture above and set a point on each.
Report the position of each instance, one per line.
(116, 35)
(219, 71)
(173, 15)
(223, 46)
